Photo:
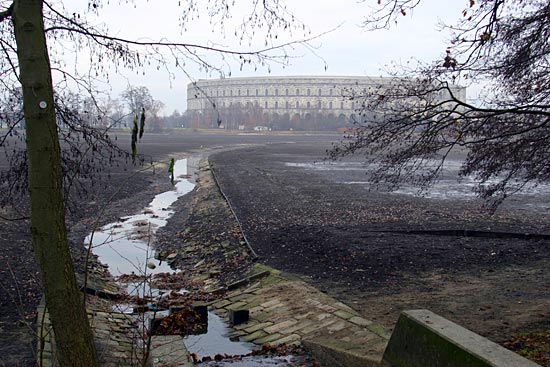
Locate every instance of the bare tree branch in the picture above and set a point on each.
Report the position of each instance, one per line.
(411, 122)
(187, 46)
(6, 13)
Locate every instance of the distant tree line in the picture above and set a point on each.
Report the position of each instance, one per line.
(250, 116)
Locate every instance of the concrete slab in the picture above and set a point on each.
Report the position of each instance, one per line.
(294, 312)
(169, 350)
(424, 339)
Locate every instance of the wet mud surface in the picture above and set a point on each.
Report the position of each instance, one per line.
(382, 253)
(352, 243)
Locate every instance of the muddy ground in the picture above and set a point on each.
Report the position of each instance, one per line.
(120, 191)
(348, 241)
(382, 253)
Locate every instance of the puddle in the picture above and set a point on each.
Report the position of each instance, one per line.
(256, 361)
(216, 340)
(328, 166)
(450, 186)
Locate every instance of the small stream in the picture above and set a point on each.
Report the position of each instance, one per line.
(125, 247)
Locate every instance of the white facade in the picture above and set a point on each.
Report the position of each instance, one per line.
(301, 96)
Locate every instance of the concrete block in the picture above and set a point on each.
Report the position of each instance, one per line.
(255, 335)
(201, 309)
(291, 339)
(236, 306)
(221, 304)
(280, 327)
(359, 321)
(240, 297)
(271, 303)
(237, 316)
(424, 339)
(344, 314)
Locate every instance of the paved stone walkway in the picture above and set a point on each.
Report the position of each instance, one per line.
(290, 312)
(114, 336)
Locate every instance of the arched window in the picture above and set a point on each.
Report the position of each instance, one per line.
(297, 92)
(297, 104)
(330, 105)
(276, 104)
(308, 104)
(308, 91)
(320, 93)
(266, 92)
(265, 104)
(286, 91)
(276, 92)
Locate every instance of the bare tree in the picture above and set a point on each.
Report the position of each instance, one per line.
(137, 98)
(28, 44)
(410, 123)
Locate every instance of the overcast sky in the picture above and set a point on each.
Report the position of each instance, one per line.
(348, 50)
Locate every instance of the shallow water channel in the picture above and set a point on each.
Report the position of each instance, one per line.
(124, 246)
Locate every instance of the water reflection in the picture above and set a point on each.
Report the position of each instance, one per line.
(125, 245)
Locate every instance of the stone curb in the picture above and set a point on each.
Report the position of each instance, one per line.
(424, 339)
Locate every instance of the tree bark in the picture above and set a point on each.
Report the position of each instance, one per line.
(73, 336)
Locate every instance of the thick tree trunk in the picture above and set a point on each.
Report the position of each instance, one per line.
(73, 336)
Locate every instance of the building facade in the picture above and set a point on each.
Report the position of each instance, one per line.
(279, 103)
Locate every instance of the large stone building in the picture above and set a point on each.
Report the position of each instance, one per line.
(280, 103)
